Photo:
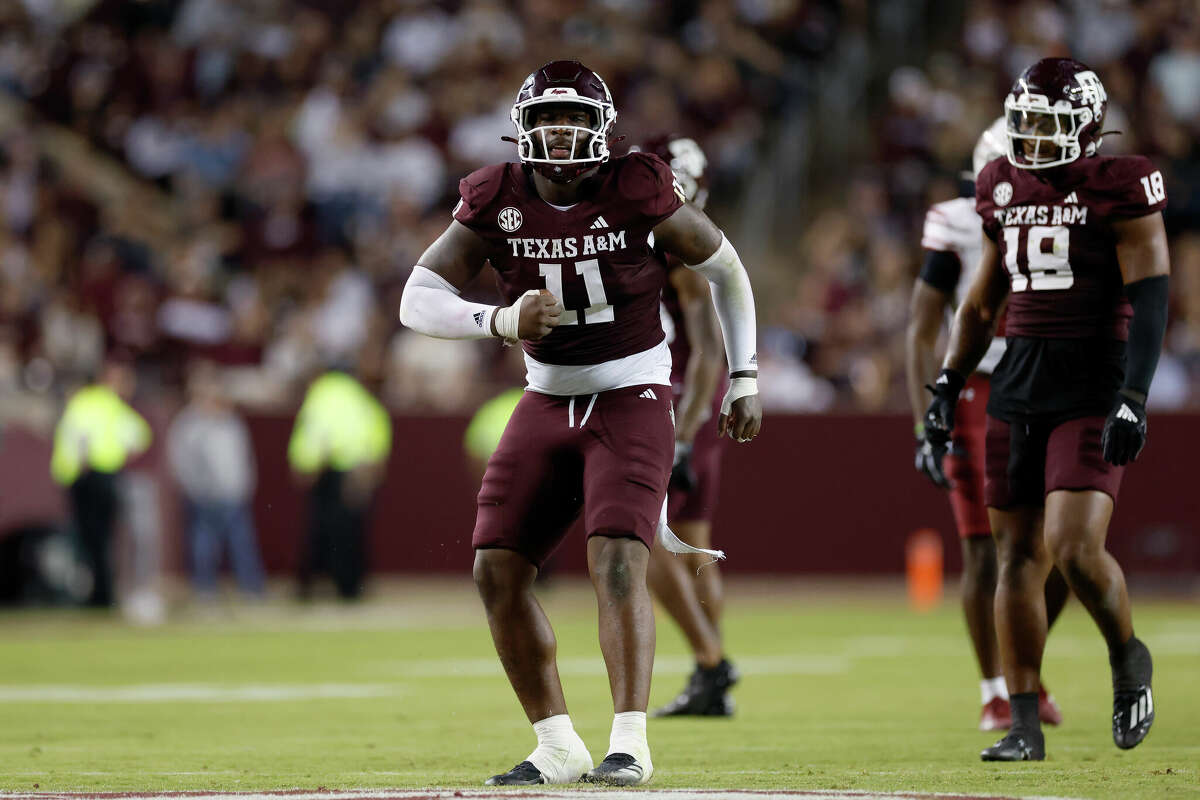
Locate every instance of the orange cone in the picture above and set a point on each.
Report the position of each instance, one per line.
(923, 565)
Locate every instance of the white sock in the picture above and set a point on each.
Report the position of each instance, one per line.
(629, 735)
(556, 741)
(993, 687)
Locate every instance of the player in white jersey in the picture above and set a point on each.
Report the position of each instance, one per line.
(952, 239)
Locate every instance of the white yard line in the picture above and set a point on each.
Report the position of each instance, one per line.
(797, 664)
(443, 794)
(785, 664)
(194, 693)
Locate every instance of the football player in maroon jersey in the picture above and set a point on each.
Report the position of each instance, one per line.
(689, 586)
(1075, 242)
(951, 240)
(567, 232)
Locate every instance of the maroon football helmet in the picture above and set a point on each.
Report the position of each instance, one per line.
(563, 83)
(686, 160)
(1054, 113)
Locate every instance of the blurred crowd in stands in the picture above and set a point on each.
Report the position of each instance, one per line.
(249, 183)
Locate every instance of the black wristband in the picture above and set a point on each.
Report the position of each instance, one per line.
(950, 381)
(1149, 300)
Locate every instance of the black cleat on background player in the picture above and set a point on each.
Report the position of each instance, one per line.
(1017, 746)
(1133, 701)
(706, 694)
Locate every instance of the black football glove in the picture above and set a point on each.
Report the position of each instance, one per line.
(939, 423)
(928, 461)
(939, 417)
(1124, 433)
(683, 476)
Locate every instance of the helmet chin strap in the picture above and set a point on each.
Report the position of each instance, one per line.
(562, 174)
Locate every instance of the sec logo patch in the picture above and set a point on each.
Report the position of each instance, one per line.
(509, 219)
(1002, 194)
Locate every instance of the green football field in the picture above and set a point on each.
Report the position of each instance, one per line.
(844, 688)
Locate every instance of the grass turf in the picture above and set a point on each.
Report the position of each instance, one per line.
(843, 688)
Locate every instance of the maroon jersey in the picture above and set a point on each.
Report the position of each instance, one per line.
(1057, 242)
(594, 256)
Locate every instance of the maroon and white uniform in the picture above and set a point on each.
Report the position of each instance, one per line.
(1067, 319)
(953, 226)
(700, 503)
(594, 428)
(594, 256)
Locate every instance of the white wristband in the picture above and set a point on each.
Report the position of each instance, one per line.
(508, 318)
(738, 387)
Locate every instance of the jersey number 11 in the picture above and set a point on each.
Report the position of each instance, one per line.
(598, 309)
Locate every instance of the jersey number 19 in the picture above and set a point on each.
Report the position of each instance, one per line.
(1037, 257)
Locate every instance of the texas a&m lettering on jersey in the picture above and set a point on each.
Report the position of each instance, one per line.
(568, 247)
(594, 255)
(1056, 240)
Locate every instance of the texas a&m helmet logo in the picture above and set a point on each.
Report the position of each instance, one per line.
(509, 219)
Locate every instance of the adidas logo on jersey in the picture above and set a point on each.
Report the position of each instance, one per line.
(599, 223)
(479, 315)
(649, 394)
(1071, 198)
(1126, 414)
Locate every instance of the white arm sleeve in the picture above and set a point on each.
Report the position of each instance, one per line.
(431, 305)
(734, 301)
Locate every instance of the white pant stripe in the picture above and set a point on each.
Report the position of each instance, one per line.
(587, 413)
(571, 413)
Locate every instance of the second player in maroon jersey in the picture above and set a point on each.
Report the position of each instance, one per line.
(1075, 243)
(689, 586)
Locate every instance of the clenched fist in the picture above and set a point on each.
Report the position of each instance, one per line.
(540, 314)
(532, 316)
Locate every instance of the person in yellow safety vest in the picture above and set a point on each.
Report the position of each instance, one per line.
(486, 427)
(339, 446)
(483, 437)
(97, 434)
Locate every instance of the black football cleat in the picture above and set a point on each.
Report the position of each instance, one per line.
(1133, 714)
(523, 774)
(619, 769)
(1017, 747)
(1133, 700)
(705, 694)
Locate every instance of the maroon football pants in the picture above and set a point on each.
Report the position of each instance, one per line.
(1027, 461)
(608, 453)
(966, 471)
